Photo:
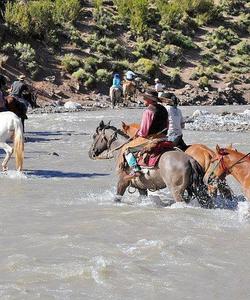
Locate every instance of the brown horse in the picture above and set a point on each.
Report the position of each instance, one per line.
(129, 91)
(20, 108)
(176, 170)
(230, 161)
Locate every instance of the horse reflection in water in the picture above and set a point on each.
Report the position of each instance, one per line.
(11, 127)
(20, 108)
(176, 170)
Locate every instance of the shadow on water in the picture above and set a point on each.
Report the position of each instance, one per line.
(60, 174)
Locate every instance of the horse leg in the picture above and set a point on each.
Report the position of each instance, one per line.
(121, 188)
(143, 192)
(177, 194)
(9, 151)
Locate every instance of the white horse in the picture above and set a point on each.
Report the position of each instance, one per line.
(11, 128)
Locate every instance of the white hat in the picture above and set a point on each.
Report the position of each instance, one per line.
(21, 77)
(157, 80)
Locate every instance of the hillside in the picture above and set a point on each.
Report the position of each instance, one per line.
(199, 49)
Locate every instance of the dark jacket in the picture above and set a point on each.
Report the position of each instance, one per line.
(160, 120)
(18, 87)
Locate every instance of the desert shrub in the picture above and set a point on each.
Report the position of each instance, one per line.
(201, 71)
(240, 61)
(98, 4)
(90, 82)
(80, 75)
(233, 7)
(138, 16)
(146, 67)
(26, 57)
(243, 48)
(120, 65)
(8, 48)
(109, 47)
(67, 11)
(105, 22)
(147, 48)
(243, 23)
(209, 59)
(74, 36)
(123, 8)
(70, 63)
(171, 37)
(41, 14)
(221, 38)
(174, 76)
(203, 82)
(17, 16)
(171, 54)
(102, 75)
(187, 25)
(91, 64)
(171, 13)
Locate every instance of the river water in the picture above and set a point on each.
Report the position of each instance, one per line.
(62, 237)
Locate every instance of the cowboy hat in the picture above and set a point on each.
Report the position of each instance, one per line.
(169, 98)
(157, 80)
(151, 95)
(21, 77)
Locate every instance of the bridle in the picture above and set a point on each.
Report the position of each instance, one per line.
(226, 170)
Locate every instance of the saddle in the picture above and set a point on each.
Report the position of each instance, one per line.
(150, 154)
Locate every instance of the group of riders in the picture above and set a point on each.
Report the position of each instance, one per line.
(17, 90)
(159, 122)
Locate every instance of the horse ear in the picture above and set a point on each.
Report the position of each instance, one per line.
(230, 146)
(101, 125)
(217, 148)
(109, 123)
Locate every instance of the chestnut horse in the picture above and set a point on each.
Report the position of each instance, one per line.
(11, 126)
(176, 170)
(230, 161)
(20, 108)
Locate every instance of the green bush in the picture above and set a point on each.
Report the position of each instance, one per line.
(91, 64)
(107, 46)
(80, 75)
(174, 76)
(70, 63)
(204, 82)
(243, 48)
(26, 57)
(221, 38)
(102, 75)
(171, 37)
(171, 54)
(67, 11)
(147, 48)
(233, 7)
(17, 16)
(146, 67)
(41, 14)
(139, 16)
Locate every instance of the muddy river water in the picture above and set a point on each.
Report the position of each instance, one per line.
(62, 237)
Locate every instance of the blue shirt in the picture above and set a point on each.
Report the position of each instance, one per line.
(116, 82)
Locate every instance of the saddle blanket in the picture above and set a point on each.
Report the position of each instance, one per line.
(151, 159)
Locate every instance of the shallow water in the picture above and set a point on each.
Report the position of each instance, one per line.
(62, 237)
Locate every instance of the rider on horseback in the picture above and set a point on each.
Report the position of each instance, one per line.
(176, 121)
(130, 75)
(154, 122)
(18, 88)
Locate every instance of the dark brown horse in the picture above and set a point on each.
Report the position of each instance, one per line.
(20, 108)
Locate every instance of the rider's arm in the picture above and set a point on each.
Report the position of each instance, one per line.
(147, 119)
(182, 120)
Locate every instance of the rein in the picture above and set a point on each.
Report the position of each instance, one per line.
(226, 170)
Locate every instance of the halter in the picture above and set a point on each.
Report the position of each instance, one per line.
(226, 170)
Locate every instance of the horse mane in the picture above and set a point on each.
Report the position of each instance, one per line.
(119, 131)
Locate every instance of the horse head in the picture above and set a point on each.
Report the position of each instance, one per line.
(130, 129)
(102, 139)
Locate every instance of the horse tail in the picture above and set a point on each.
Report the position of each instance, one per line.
(199, 189)
(19, 144)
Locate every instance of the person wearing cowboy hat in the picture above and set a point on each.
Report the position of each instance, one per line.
(154, 121)
(176, 120)
(159, 87)
(18, 87)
